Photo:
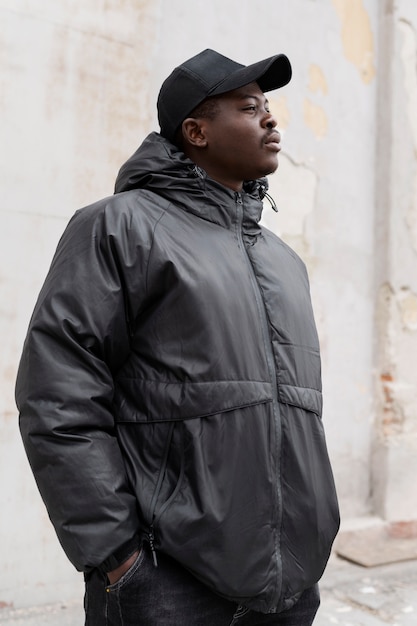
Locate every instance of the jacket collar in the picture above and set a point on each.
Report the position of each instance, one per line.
(161, 167)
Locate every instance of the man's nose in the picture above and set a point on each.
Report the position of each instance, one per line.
(269, 120)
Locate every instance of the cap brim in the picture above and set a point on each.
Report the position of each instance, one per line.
(270, 74)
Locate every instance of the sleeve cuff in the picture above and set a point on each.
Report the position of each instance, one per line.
(120, 555)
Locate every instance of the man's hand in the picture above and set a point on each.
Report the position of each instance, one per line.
(117, 573)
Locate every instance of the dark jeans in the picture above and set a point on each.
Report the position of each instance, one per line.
(169, 596)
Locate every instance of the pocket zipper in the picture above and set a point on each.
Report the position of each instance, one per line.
(154, 516)
(151, 538)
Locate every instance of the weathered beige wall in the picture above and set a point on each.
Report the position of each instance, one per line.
(74, 100)
(326, 188)
(78, 85)
(395, 442)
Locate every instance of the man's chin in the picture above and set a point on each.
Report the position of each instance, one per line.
(271, 169)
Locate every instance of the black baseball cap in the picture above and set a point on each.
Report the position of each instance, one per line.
(210, 74)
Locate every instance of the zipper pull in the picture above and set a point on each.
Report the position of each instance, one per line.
(151, 538)
(238, 198)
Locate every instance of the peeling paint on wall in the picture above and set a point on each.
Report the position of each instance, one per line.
(280, 110)
(315, 118)
(397, 340)
(386, 376)
(314, 115)
(357, 37)
(407, 301)
(392, 420)
(317, 80)
(297, 183)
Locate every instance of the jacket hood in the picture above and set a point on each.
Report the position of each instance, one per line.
(154, 164)
(161, 167)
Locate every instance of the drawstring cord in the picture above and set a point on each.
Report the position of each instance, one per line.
(198, 172)
(271, 201)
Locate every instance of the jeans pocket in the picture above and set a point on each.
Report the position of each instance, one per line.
(128, 575)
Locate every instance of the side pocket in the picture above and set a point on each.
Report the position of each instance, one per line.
(302, 397)
(129, 574)
(167, 487)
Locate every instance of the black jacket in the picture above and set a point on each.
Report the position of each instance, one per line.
(170, 383)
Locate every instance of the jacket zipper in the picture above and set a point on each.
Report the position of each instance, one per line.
(272, 373)
(151, 531)
(154, 514)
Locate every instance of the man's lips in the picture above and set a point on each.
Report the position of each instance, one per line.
(273, 141)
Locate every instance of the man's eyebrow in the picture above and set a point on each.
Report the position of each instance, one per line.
(244, 96)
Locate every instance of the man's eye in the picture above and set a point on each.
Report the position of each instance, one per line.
(251, 107)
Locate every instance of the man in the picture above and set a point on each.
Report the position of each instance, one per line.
(169, 388)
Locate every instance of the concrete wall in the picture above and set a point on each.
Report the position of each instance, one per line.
(79, 81)
(394, 467)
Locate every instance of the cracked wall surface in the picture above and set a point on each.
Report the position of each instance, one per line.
(357, 35)
(395, 443)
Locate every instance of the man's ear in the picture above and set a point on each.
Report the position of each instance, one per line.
(193, 132)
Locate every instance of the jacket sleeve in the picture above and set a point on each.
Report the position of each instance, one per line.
(77, 339)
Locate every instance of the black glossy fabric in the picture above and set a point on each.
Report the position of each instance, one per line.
(170, 383)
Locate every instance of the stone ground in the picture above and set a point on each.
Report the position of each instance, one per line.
(351, 596)
(358, 596)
